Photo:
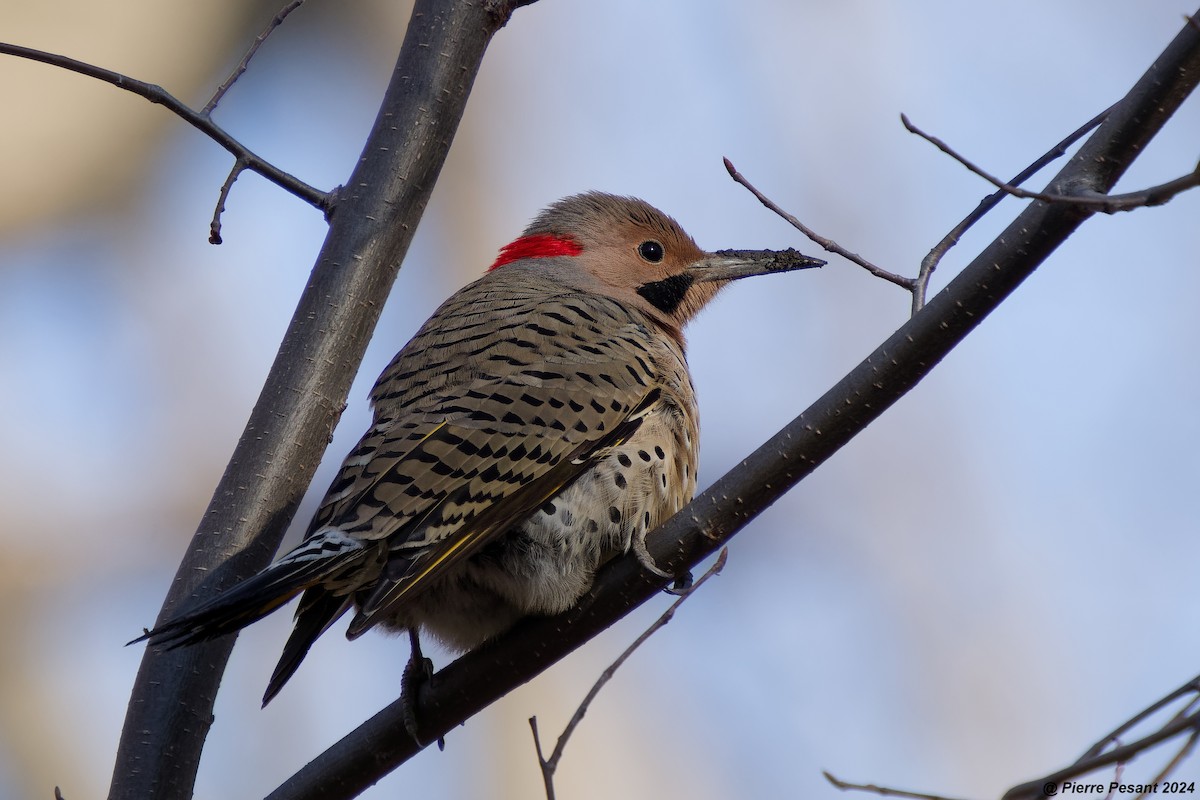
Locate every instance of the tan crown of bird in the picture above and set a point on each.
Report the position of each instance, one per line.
(542, 421)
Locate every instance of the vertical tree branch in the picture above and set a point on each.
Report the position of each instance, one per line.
(170, 710)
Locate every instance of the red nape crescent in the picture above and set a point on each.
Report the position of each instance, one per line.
(538, 245)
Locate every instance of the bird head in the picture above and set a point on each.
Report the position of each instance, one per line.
(627, 249)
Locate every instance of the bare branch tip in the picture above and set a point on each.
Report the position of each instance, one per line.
(722, 560)
(275, 22)
(537, 740)
(547, 765)
(214, 228)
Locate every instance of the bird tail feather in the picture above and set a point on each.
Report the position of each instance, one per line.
(318, 610)
(316, 560)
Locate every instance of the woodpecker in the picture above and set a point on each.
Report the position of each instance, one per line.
(541, 422)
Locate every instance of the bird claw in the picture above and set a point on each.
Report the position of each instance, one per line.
(638, 545)
(682, 585)
(418, 672)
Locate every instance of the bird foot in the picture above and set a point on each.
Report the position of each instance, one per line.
(680, 583)
(418, 672)
(638, 545)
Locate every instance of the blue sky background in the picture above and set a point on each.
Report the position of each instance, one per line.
(983, 583)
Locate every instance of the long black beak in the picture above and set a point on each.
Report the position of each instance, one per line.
(729, 265)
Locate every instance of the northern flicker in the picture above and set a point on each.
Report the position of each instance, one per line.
(542, 421)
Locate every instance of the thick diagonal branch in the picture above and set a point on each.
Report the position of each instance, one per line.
(477, 679)
(170, 710)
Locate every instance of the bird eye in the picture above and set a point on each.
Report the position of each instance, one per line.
(652, 251)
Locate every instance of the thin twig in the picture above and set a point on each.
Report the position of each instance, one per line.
(1097, 201)
(1096, 757)
(882, 791)
(828, 244)
(549, 765)
(278, 19)
(1175, 761)
(1117, 755)
(547, 769)
(1113, 736)
(934, 257)
(214, 228)
(1118, 772)
(919, 286)
(199, 121)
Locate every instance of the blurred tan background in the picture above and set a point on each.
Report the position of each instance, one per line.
(992, 576)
